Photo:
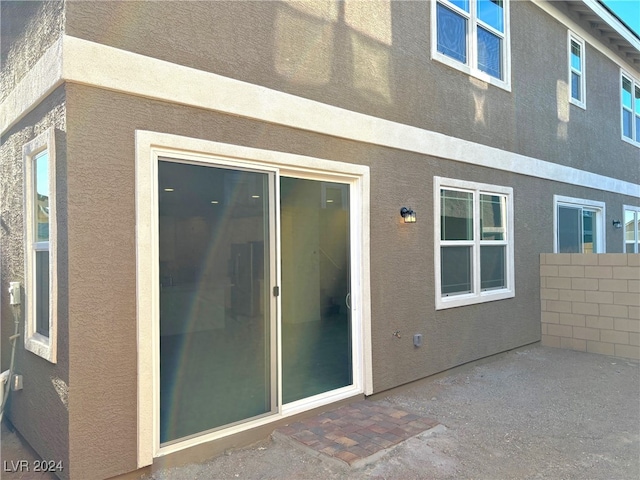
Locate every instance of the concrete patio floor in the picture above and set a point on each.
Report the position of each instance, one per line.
(532, 413)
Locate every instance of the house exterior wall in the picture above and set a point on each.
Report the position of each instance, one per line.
(40, 411)
(382, 67)
(45, 391)
(28, 29)
(402, 299)
(367, 57)
(591, 303)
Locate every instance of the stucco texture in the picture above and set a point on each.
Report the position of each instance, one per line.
(374, 58)
(40, 410)
(27, 29)
(101, 193)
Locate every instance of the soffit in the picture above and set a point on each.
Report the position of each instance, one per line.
(607, 27)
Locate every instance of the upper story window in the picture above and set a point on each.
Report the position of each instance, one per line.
(630, 100)
(576, 71)
(474, 248)
(473, 36)
(40, 253)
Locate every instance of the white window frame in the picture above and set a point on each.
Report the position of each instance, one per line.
(150, 146)
(477, 295)
(471, 67)
(582, 101)
(598, 207)
(43, 346)
(636, 229)
(635, 83)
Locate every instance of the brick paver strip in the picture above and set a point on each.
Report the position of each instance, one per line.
(357, 431)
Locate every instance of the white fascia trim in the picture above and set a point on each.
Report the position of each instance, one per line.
(105, 67)
(568, 22)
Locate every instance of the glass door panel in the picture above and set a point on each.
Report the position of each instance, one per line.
(316, 321)
(216, 333)
(569, 229)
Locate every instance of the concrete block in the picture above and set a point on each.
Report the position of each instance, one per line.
(598, 272)
(586, 333)
(543, 258)
(626, 325)
(620, 311)
(560, 330)
(584, 283)
(634, 339)
(634, 313)
(600, 347)
(626, 299)
(612, 285)
(633, 260)
(548, 270)
(549, 293)
(550, 341)
(633, 286)
(612, 259)
(543, 329)
(572, 319)
(628, 351)
(559, 259)
(557, 282)
(573, 271)
(599, 322)
(550, 317)
(584, 258)
(628, 273)
(600, 297)
(613, 336)
(570, 295)
(562, 307)
(585, 308)
(573, 344)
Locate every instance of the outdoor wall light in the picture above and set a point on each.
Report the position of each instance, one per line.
(617, 224)
(408, 215)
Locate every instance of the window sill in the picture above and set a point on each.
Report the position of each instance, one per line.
(630, 141)
(443, 303)
(41, 346)
(577, 103)
(473, 72)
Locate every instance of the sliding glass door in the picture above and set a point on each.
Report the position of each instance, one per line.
(316, 320)
(217, 331)
(227, 354)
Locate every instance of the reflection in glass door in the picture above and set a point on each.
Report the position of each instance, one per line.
(217, 335)
(316, 320)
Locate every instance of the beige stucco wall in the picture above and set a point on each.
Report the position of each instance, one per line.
(375, 58)
(40, 411)
(591, 302)
(257, 42)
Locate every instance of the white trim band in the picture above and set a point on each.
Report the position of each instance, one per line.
(96, 65)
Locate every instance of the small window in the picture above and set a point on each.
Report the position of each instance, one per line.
(472, 35)
(576, 71)
(39, 217)
(474, 244)
(631, 229)
(579, 225)
(630, 101)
